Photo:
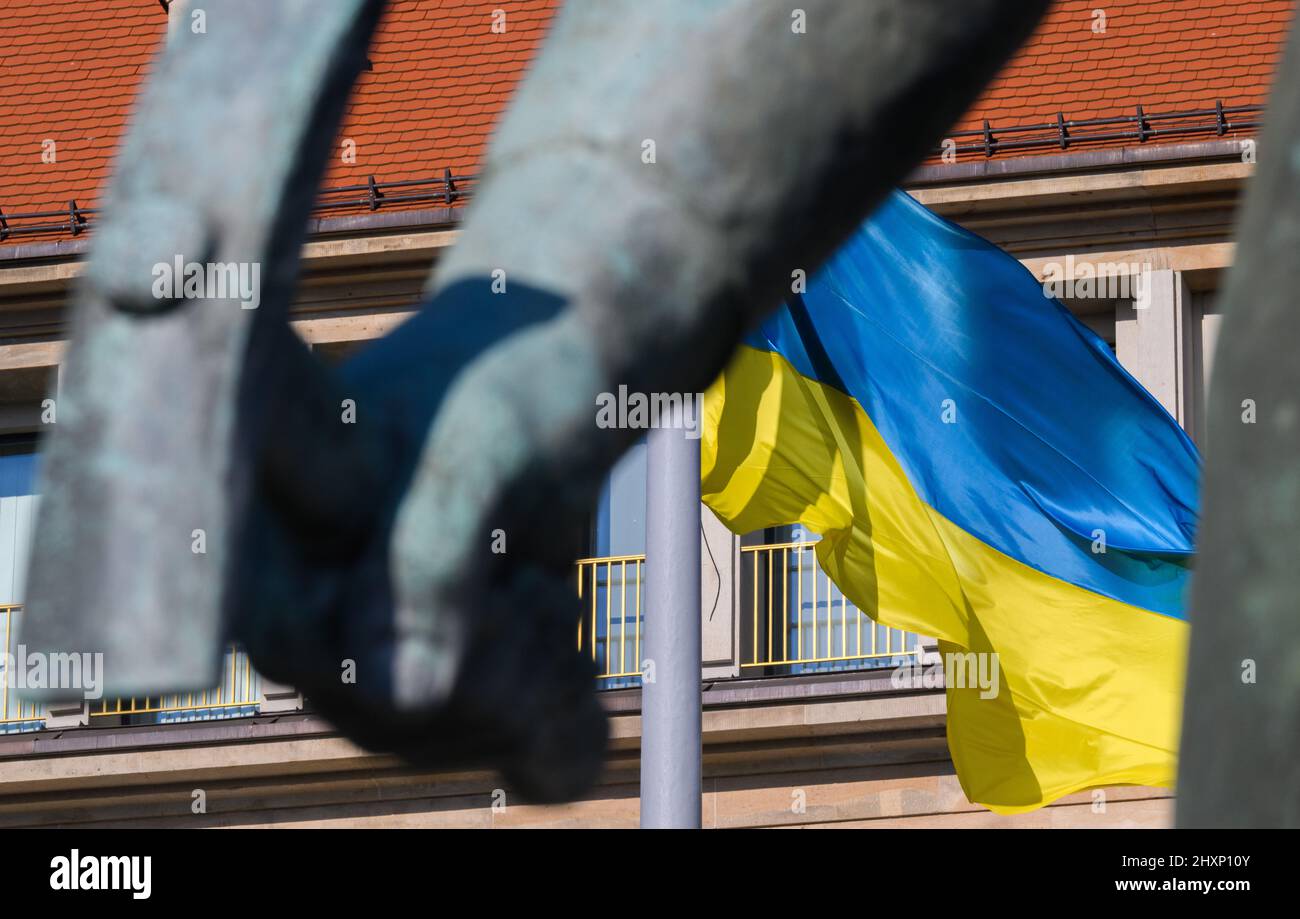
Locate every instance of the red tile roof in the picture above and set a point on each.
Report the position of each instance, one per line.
(440, 78)
(68, 70)
(1168, 56)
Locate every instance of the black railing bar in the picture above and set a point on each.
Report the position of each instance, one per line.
(1209, 124)
(40, 229)
(1208, 113)
(382, 199)
(439, 182)
(388, 199)
(62, 212)
(402, 183)
(62, 227)
(322, 203)
(1075, 139)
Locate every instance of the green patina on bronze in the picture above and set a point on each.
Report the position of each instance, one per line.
(370, 542)
(1240, 757)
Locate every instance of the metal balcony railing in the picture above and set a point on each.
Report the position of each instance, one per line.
(237, 694)
(793, 619)
(237, 691)
(610, 627)
(15, 713)
(798, 619)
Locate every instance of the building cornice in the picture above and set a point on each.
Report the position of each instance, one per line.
(749, 725)
(1114, 158)
(1168, 205)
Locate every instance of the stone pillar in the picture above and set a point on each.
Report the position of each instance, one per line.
(1153, 340)
(277, 698)
(67, 715)
(1209, 317)
(719, 596)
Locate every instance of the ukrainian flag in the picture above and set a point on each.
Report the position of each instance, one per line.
(981, 469)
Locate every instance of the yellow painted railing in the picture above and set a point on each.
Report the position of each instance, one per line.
(13, 710)
(238, 689)
(798, 617)
(794, 616)
(610, 627)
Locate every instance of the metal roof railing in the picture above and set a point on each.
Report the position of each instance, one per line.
(447, 190)
(1062, 133)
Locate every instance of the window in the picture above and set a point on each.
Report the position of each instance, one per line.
(611, 580)
(18, 461)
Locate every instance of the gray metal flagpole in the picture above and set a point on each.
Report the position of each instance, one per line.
(670, 694)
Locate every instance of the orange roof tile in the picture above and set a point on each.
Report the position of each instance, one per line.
(440, 78)
(1168, 56)
(69, 70)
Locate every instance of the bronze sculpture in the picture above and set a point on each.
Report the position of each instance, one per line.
(707, 177)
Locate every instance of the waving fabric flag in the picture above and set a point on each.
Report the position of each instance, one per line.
(982, 470)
